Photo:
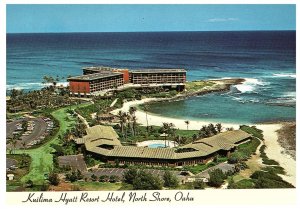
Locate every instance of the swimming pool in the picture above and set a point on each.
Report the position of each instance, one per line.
(156, 145)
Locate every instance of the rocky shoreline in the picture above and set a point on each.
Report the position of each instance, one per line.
(287, 138)
(221, 85)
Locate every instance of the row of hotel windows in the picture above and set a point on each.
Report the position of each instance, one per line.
(159, 80)
(99, 85)
(188, 162)
(102, 85)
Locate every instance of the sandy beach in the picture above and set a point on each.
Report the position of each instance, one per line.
(274, 150)
(157, 120)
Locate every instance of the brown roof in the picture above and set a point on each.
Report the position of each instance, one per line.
(76, 162)
(105, 135)
(101, 68)
(94, 76)
(97, 133)
(159, 71)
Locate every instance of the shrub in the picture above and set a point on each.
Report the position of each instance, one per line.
(94, 177)
(29, 184)
(170, 180)
(216, 177)
(199, 184)
(113, 178)
(253, 130)
(72, 176)
(243, 184)
(53, 179)
(233, 159)
(130, 175)
(269, 180)
(146, 181)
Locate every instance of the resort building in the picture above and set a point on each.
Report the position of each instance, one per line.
(158, 76)
(99, 69)
(174, 78)
(97, 79)
(103, 143)
(90, 83)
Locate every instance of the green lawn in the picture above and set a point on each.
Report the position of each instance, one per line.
(197, 85)
(154, 134)
(98, 186)
(42, 159)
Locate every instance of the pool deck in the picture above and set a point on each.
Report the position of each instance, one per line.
(156, 142)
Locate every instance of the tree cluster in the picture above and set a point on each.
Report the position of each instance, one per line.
(210, 130)
(142, 180)
(216, 177)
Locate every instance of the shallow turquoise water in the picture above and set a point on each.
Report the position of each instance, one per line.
(156, 145)
(219, 107)
(266, 58)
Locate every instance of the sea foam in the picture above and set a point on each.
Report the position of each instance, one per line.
(282, 75)
(249, 85)
(30, 86)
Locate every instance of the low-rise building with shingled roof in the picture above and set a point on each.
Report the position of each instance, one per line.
(103, 143)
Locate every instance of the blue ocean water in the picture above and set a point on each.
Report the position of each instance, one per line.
(267, 59)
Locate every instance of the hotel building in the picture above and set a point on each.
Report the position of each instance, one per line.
(104, 144)
(95, 82)
(97, 79)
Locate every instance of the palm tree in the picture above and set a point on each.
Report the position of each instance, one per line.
(166, 130)
(134, 124)
(124, 124)
(187, 124)
(132, 111)
(130, 126)
(120, 115)
(146, 108)
(219, 127)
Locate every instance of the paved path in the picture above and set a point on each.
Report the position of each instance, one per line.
(83, 120)
(10, 162)
(114, 102)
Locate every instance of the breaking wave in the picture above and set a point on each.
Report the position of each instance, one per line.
(282, 75)
(31, 86)
(250, 85)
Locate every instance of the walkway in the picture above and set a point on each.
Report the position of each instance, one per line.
(83, 120)
(114, 102)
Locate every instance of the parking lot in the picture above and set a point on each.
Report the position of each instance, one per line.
(11, 164)
(37, 129)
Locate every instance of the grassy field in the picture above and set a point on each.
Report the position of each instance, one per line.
(98, 186)
(41, 158)
(201, 167)
(197, 85)
(154, 134)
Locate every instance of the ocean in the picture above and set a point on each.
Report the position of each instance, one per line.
(266, 59)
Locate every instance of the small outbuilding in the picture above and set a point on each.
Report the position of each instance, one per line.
(10, 176)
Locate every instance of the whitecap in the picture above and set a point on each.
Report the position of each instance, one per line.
(250, 85)
(30, 86)
(282, 75)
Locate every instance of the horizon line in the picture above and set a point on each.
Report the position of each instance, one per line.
(152, 31)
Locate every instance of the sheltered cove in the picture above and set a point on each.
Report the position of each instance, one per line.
(103, 143)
